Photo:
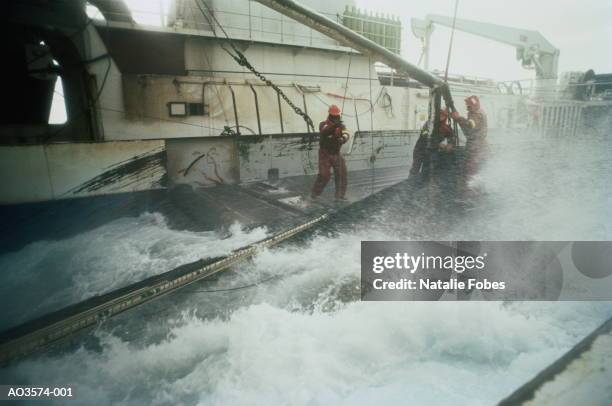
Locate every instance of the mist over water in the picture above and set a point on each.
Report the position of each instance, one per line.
(305, 338)
(554, 188)
(530, 188)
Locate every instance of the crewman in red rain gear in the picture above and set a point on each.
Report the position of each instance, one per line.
(333, 134)
(475, 130)
(420, 148)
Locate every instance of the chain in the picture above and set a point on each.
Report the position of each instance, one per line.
(243, 61)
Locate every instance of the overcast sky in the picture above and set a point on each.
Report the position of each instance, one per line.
(582, 30)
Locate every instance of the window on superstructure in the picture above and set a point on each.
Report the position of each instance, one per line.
(183, 109)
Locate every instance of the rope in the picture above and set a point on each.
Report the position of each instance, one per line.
(251, 285)
(348, 71)
(369, 110)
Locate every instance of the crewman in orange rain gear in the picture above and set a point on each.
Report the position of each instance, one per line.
(475, 130)
(333, 134)
(420, 148)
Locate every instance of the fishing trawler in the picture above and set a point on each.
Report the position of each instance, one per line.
(205, 113)
(153, 106)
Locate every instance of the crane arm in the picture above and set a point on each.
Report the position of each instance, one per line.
(531, 46)
(507, 35)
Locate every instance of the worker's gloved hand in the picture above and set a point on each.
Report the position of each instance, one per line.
(341, 135)
(455, 115)
(344, 136)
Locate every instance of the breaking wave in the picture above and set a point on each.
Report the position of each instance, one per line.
(305, 338)
(121, 252)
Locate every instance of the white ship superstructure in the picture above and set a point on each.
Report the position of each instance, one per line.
(154, 98)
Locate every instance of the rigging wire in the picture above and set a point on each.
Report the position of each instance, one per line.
(370, 67)
(210, 66)
(369, 110)
(250, 285)
(448, 57)
(370, 85)
(348, 72)
(450, 43)
(237, 288)
(161, 119)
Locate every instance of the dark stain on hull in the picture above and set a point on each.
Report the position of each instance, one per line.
(124, 174)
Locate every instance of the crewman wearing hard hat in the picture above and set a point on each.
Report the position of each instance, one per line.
(333, 134)
(445, 133)
(475, 130)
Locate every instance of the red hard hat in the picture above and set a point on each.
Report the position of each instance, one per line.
(334, 110)
(473, 101)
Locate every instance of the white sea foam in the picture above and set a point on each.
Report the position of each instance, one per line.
(121, 252)
(278, 350)
(440, 353)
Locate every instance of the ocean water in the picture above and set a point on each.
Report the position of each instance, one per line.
(47, 275)
(304, 338)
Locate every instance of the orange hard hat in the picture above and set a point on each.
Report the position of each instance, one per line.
(334, 110)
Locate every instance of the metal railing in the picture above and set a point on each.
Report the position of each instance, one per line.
(27, 338)
(257, 26)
